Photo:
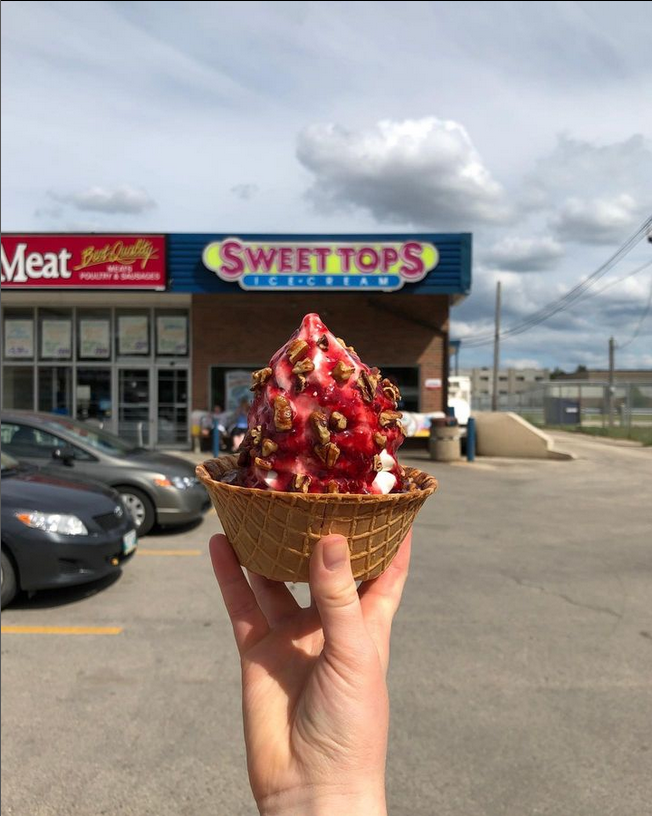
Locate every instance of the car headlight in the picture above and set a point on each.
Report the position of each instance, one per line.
(53, 522)
(180, 482)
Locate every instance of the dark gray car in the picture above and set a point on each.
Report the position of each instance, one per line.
(155, 487)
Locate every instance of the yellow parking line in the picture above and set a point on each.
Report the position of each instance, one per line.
(61, 630)
(142, 551)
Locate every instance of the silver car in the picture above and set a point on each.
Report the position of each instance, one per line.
(155, 487)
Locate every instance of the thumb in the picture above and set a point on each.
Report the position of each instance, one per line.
(334, 592)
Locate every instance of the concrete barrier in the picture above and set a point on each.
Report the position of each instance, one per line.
(502, 433)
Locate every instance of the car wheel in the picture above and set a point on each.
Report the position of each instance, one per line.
(8, 581)
(139, 506)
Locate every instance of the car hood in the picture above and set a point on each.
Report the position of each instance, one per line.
(169, 465)
(36, 490)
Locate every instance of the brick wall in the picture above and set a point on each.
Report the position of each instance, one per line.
(246, 329)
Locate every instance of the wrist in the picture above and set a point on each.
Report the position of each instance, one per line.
(318, 802)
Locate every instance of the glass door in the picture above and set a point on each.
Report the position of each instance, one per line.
(134, 397)
(172, 407)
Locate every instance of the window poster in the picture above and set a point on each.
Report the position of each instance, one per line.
(19, 339)
(171, 334)
(56, 339)
(133, 334)
(94, 339)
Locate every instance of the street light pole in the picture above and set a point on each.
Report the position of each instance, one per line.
(612, 345)
(494, 395)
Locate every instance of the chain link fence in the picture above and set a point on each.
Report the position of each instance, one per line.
(578, 403)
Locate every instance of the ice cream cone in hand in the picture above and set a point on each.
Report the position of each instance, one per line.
(319, 457)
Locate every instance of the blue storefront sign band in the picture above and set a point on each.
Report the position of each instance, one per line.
(417, 263)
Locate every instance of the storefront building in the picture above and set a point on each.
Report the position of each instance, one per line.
(137, 331)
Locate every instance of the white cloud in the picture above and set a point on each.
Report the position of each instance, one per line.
(125, 200)
(524, 254)
(598, 220)
(424, 172)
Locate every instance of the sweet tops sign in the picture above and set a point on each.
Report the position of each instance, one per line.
(320, 264)
(420, 263)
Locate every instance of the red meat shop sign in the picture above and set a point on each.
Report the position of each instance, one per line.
(83, 262)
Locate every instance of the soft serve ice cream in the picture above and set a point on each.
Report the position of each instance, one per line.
(322, 421)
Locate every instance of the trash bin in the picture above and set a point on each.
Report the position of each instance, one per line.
(445, 443)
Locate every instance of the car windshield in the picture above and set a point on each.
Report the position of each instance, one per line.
(8, 462)
(94, 437)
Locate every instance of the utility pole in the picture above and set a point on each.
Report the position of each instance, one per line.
(612, 346)
(494, 395)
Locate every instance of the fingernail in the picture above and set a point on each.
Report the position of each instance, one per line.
(336, 552)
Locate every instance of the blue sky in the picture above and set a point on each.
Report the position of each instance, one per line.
(528, 124)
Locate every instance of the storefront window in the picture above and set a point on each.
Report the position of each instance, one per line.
(55, 389)
(407, 379)
(18, 388)
(55, 334)
(93, 391)
(230, 385)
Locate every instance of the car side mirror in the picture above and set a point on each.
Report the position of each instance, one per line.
(66, 455)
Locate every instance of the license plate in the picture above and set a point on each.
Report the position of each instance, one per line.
(129, 542)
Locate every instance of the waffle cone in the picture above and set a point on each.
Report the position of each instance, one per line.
(273, 533)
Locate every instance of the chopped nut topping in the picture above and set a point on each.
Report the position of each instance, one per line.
(341, 342)
(303, 366)
(301, 383)
(301, 482)
(269, 447)
(380, 440)
(282, 414)
(256, 434)
(378, 465)
(329, 453)
(390, 390)
(243, 457)
(337, 421)
(320, 426)
(323, 343)
(265, 464)
(389, 417)
(342, 372)
(260, 377)
(367, 383)
(297, 349)
(333, 487)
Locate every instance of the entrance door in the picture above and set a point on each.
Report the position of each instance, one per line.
(172, 410)
(134, 397)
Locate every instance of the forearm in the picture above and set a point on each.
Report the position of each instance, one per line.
(311, 802)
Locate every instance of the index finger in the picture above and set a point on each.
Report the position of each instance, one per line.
(249, 623)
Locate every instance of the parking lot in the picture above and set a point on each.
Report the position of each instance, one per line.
(520, 680)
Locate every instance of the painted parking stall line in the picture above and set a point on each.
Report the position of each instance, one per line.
(61, 630)
(181, 553)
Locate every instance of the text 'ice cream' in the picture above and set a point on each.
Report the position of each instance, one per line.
(322, 421)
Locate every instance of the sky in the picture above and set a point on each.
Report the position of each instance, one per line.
(526, 124)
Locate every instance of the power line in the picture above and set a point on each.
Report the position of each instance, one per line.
(567, 300)
(646, 312)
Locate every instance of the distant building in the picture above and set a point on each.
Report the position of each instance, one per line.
(511, 382)
(642, 375)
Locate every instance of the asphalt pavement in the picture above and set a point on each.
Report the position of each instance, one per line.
(520, 682)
